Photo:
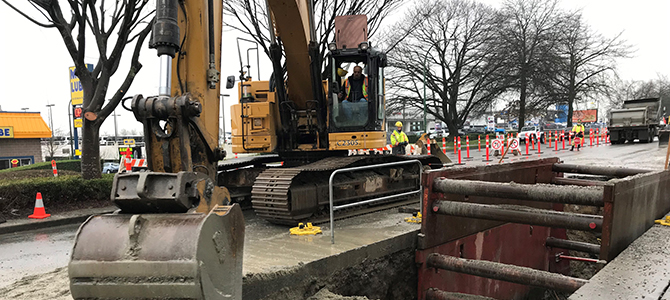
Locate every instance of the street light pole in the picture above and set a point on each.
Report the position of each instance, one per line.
(116, 141)
(25, 108)
(223, 115)
(51, 120)
(425, 58)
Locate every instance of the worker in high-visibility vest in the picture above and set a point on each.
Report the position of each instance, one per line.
(578, 132)
(399, 140)
(355, 88)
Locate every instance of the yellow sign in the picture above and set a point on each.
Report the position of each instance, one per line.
(76, 90)
(6, 132)
(77, 152)
(78, 123)
(129, 142)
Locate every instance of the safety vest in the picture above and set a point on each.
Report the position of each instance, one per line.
(399, 137)
(577, 129)
(347, 87)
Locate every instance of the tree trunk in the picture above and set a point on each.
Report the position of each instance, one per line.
(90, 158)
(453, 127)
(522, 102)
(570, 112)
(571, 98)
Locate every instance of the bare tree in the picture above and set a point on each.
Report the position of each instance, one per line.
(113, 26)
(250, 18)
(636, 89)
(53, 143)
(528, 37)
(455, 42)
(587, 59)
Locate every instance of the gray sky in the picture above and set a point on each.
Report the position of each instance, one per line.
(34, 61)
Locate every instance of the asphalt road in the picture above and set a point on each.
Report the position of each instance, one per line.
(40, 251)
(34, 252)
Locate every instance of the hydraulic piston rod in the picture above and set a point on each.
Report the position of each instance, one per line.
(543, 193)
(572, 245)
(435, 294)
(505, 272)
(521, 215)
(579, 182)
(594, 170)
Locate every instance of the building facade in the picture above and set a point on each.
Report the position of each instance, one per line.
(20, 138)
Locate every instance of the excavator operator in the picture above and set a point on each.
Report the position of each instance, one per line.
(355, 94)
(355, 87)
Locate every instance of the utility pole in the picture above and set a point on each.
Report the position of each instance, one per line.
(69, 126)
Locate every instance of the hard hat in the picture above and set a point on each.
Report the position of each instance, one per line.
(398, 124)
(341, 72)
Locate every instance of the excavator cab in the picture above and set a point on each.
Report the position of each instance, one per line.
(356, 107)
(355, 76)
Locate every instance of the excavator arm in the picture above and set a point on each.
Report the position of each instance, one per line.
(175, 234)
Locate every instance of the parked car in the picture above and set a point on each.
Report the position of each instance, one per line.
(476, 129)
(533, 132)
(110, 167)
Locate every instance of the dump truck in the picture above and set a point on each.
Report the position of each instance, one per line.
(638, 119)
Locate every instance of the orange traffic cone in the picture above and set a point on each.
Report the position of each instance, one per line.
(39, 212)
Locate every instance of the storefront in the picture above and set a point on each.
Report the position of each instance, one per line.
(20, 134)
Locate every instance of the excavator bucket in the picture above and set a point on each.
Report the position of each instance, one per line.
(159, 256)
(435, 149)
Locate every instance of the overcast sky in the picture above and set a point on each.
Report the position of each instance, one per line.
(34, 62)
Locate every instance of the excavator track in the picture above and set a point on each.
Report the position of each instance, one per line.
(291, 195)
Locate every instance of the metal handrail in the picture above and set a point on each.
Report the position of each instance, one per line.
(330, 189)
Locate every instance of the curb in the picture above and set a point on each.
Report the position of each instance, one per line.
(14, 228)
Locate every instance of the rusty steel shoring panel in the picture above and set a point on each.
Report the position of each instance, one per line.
(505, 272)
(521, 215)
(579, 182)
(542, 193)
(436, 294)
(595, 170)
(573, 245)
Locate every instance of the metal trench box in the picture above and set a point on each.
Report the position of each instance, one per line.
(630, 202)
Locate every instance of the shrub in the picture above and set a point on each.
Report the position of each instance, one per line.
(71, 165)
(59, 193)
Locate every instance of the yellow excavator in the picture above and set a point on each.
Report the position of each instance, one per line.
(176, 233)
(309, 118)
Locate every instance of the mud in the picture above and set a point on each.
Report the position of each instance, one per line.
(389, 277)
(325, 294)
(53, 285)
(580, 269)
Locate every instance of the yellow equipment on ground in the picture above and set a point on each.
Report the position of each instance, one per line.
(415, 218)
(303, 229)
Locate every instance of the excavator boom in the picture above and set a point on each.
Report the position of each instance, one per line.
(175, 235)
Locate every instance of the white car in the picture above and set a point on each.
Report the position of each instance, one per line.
(532, 132)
